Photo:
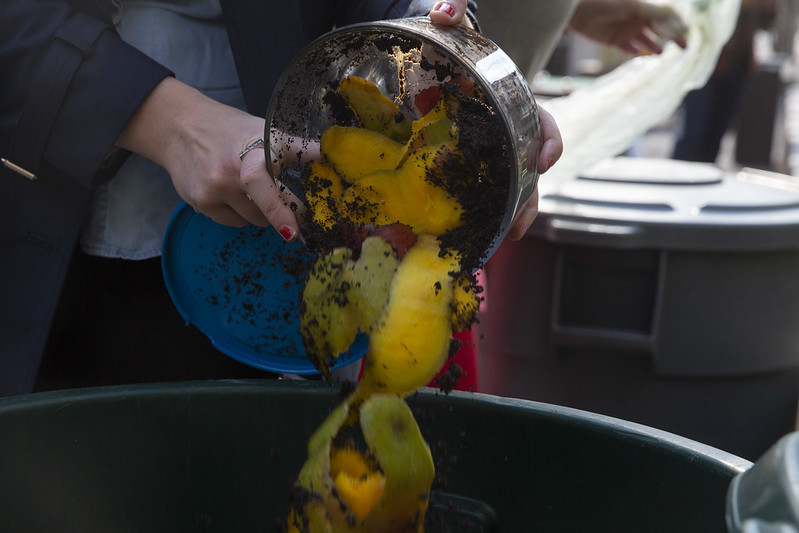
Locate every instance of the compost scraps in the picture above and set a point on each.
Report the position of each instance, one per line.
(397, 214)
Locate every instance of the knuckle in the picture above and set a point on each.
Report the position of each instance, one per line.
(216, 183)
(272, 207)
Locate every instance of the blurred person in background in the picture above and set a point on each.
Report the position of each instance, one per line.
(709, 112)
(529, 31)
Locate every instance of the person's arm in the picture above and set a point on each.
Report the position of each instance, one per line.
(633, 26)
(197, 140)
(70, 86)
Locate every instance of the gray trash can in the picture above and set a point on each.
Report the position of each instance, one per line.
(657, 291)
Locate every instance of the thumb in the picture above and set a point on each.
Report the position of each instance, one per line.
(449, 12)
(271, 198)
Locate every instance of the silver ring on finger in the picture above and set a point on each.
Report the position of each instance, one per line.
(251, 145)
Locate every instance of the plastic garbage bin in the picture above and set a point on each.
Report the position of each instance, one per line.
(221, 456)
(657, 291)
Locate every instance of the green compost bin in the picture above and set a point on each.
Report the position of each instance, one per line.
(221, 456)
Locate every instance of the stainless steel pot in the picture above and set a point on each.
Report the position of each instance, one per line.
(403, 57)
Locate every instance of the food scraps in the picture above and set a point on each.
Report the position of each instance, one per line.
(390, 203)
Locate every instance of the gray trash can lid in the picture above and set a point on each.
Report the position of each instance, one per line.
(663, 203)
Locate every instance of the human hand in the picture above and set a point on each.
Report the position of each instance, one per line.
(198, 140)
(551, 150)
(634, 26)
(450, 12)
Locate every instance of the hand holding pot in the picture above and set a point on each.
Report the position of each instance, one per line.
(198, 141)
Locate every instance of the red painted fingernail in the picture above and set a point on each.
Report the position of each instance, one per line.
(287, 232)
(444, 7)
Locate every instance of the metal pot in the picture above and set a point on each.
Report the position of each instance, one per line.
(403, 57)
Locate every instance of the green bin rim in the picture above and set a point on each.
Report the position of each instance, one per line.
(711, 457)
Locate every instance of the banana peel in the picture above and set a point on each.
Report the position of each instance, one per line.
(384, 488)
(355, 152)
(374, 110)
(328, 325)
(368, 280)
(465, 302)
(408, 195)
(411, 339)
(343, 296)
(395, 440)
(435, 126)
(323, 188)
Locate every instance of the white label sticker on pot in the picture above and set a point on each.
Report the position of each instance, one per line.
(495, 66)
